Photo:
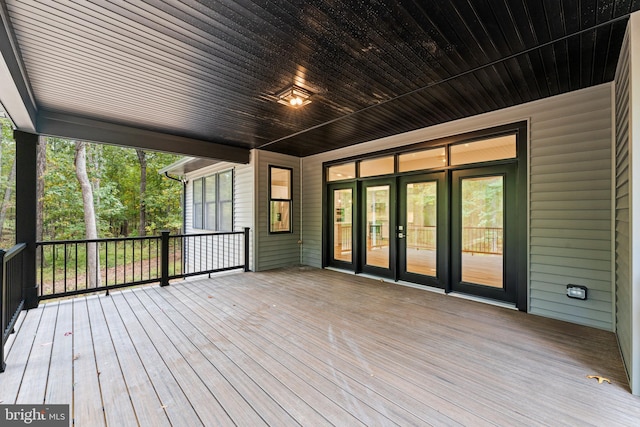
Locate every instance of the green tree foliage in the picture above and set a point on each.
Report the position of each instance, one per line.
(164, 210)
(115, 174)
(7, 155)
(483, 202)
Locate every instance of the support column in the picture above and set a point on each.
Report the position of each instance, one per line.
(26, 206)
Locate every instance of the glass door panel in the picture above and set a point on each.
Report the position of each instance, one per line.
(340, 251)
(376, 232)
(482, 230)
(422, 228)
(343, 225)
(377, 225)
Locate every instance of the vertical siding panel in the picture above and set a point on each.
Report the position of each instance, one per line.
(570, 144)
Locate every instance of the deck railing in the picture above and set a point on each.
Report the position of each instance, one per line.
(65, 267)
(11, 292)
(478, 240)
(421, 237)
(482, 240)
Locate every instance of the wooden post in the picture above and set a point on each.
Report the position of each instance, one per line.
(164, 258)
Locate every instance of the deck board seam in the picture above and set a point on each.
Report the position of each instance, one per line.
(177, 349)
(301, 379)
(13, 336)
(95, 360)
(115, 350)
(372, 333)
(169, 370)
(238, 302)
(284, 350)
(315, 356)
(55, 328)
(41, 312)
(243, 370)
(144, 366)
(179, 313)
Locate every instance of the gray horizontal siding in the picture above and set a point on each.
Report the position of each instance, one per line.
(282, 249)
(312, 211)
(242, 207)
(570, 172)
(570, 197)
(623, 295)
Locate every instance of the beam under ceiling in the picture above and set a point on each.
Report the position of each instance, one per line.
(15, 92)
(74, 127)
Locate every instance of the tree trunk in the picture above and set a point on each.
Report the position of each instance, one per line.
(41, 168)
(91, 229)
(142, 157)
(7, 197)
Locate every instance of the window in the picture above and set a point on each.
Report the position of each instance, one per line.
(280, 199)
(503, 147)
(426, 159)
(340, 172)
(213, 202)
(379, 166)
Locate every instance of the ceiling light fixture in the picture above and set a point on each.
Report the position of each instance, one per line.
(294, 96)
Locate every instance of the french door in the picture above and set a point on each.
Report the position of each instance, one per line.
(484, 255)
(456, 230)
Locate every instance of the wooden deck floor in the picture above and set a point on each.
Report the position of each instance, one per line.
(311, 347)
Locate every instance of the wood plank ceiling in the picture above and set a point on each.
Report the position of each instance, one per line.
(210, 69)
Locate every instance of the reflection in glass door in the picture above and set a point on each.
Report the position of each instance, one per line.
(422, 229)
(421, 232)
(377, 226)
(343, 225)
(340, 227)
(482, 230)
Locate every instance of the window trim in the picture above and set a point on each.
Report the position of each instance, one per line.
(218, 202)
(468, 137)
(289, 200)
